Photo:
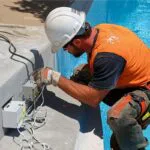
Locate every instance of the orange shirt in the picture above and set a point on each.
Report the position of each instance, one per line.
(123, 42)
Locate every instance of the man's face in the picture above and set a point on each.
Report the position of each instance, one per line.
(73, 49)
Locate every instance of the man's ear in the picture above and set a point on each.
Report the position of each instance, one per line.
(77, 42)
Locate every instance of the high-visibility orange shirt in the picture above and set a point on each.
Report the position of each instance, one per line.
(123, 42)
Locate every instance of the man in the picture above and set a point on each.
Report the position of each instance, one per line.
(119, 64)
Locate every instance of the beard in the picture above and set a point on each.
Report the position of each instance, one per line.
(78, 52)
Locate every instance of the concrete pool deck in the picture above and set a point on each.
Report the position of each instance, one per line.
(69, 125)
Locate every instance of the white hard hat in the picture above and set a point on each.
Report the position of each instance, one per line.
(62, 24)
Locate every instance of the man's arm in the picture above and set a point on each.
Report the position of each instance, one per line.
(107, 69)
(83, 93)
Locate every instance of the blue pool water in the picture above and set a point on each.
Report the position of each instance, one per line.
(134, 14)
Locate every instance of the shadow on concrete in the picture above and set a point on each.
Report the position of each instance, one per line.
(88, 117)
(39, 8)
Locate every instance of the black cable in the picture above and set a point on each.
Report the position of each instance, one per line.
(11, 45)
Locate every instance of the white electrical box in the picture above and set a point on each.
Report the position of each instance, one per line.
(30, 90)
(13, 114)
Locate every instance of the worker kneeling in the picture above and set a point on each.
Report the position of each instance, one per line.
(119, 72)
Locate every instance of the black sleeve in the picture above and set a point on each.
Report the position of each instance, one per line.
(107, 69)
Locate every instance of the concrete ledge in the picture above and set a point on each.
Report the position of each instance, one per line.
(30, 42)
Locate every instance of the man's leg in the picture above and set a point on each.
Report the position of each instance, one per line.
(122, 120)
(113, 143)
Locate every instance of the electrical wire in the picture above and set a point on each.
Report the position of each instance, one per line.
(11, 45)
(36, 111)
(30, 127)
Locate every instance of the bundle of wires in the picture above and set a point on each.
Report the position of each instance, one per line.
(29, 124)
(13, 50)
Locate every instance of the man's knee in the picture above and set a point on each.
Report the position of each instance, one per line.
(112, 119)
(123, 113)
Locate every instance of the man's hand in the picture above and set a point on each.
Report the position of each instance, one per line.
(81, 74)
(46, 76)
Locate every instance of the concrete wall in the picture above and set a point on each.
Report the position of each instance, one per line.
(31, 43)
